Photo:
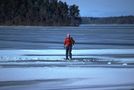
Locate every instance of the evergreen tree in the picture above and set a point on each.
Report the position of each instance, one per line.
(38, 12)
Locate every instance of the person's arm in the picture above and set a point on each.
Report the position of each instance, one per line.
(73, 41)
(64, 42)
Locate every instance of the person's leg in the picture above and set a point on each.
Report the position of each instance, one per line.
(67, 49)
(70, 52)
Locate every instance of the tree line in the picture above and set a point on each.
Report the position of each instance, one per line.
(108, 20)
(38, 12)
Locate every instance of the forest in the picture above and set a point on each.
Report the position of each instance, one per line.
(39, 12)
(108, 20)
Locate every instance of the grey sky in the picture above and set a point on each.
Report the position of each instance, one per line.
(102, 8)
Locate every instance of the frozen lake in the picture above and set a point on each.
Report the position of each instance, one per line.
(26, 42)
(86, 37)
(32, 58)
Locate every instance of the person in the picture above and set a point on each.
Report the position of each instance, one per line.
(68, 44)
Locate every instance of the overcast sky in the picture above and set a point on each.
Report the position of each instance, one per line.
(104, 8)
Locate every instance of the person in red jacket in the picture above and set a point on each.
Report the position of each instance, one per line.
(68, 43)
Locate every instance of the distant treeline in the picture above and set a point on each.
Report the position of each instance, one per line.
(108, 20)
(38, 12)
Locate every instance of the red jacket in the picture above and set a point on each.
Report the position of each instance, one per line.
(69, 41)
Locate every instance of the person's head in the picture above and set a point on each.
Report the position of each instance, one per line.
(68, 35)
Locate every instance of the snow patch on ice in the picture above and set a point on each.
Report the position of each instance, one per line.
(53, 54)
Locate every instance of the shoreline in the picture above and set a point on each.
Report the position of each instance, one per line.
(67, 26)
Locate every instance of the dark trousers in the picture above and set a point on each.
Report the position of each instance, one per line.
(69, 52)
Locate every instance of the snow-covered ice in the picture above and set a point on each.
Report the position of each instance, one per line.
(51, 54)
(70, 78)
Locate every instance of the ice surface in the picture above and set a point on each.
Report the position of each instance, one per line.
(32, 58)
(52, 54)
(68, 76)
